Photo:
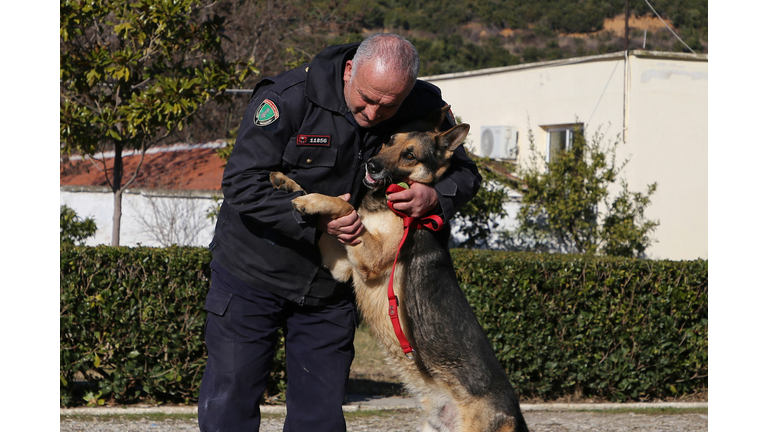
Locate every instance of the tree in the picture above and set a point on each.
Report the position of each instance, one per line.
(176, 220)
(479, 220)
(132, 72)
(561, 204)
(73, 229)
(277, 36)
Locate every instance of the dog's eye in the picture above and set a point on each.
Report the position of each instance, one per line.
(410, 156)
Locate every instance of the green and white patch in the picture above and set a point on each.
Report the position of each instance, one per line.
(266, 114)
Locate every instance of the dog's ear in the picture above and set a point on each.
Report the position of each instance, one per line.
(453, 137)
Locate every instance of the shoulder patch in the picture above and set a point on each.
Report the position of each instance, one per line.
(266, 114)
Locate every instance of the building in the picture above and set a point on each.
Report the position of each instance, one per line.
(169, 202)
(654, 102)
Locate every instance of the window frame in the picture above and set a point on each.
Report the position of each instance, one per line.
(569, 130)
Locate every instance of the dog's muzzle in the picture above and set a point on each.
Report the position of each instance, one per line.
(375, 176)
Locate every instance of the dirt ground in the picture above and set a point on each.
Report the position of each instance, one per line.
(410, 421)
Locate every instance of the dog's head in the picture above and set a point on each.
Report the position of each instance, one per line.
(418, 152)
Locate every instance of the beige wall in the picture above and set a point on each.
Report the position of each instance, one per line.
(666, 125)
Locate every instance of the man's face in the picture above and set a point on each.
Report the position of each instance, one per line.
(374, 94)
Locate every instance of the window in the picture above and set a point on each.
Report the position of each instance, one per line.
(560, 139)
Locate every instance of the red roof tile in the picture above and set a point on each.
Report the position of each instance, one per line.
(180, 166)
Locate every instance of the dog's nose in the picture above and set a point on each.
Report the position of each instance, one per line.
(374, 166)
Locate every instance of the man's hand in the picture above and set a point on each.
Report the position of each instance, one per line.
(346, 229)
(418, 201)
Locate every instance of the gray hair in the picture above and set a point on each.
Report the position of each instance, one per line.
(390, 49)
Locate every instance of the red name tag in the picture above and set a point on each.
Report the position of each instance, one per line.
(314, 140)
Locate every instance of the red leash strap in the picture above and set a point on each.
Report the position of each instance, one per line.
(435, 223)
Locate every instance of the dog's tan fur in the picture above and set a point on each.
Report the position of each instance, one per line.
(448, 404)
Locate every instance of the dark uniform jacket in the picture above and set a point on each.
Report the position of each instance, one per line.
(298, 123)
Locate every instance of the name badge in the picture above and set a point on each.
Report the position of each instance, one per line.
(314, 140)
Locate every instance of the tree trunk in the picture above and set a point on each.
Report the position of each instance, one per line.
(117, 180)
(116, 217)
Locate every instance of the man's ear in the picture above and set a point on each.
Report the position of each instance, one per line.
(453, 137)
(348, 71)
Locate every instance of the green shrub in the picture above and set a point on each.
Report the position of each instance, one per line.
(613, 328)
(73, 229)
(132, 324)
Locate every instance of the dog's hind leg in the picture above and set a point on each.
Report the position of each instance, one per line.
(481, 415)
(442, 414)
(505, 423)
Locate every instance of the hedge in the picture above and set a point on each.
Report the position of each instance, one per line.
(611, 328)
(132, 324)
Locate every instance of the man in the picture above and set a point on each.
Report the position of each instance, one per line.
(318, 124)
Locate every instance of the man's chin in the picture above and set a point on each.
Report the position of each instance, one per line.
(365, 123)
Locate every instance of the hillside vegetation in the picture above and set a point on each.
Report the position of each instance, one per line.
(451, 36)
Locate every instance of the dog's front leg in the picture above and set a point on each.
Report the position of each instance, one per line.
(333, 253)
(318, 204)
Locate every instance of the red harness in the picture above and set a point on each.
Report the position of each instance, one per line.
(435, 223)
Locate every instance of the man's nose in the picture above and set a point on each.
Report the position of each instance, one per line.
(372, 112)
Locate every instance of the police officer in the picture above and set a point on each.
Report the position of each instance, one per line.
(318, 124)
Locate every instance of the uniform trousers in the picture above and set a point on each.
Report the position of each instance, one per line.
(241, 336)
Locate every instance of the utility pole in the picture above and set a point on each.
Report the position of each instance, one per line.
(626, 25)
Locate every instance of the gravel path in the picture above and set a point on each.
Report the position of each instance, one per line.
(409, 421)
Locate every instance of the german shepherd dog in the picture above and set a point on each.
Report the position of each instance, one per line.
(454, 372)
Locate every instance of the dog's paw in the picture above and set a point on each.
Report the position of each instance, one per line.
(283, 182)
(300, 204)
(303, 204)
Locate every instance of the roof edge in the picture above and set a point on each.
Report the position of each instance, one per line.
(155, 193)
(670, 55)
(570, 61)
(217, 144)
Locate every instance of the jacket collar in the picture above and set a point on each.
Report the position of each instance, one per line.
(325, 78)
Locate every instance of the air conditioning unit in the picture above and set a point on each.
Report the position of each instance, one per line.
(498, 142)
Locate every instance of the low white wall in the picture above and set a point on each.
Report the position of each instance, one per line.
(149, 217)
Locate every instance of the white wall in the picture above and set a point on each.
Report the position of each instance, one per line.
(190, 207)
(667, 140)
(666, 116)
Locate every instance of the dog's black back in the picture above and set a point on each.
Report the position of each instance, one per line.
(445, 328)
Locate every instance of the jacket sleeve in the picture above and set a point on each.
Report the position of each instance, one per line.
(258, 151)
(458, 185)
